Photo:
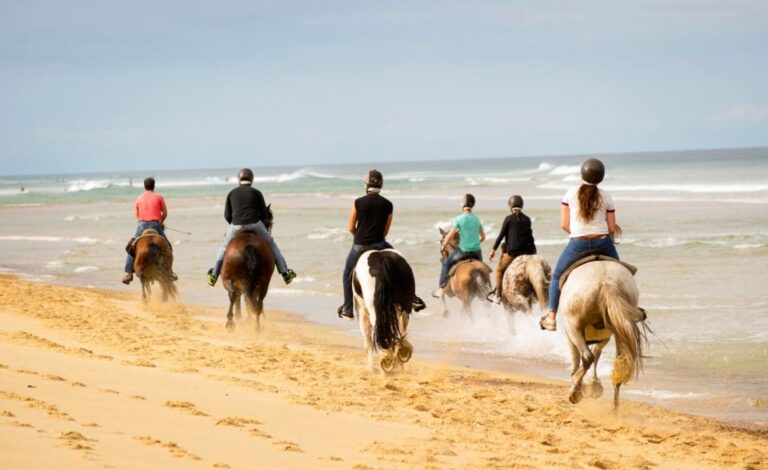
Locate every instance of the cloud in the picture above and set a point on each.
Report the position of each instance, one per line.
(743, 113)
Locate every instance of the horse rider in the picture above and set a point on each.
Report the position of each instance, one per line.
(471, 234)
(151, 212)
(517, 232)
(588, 215)
(369, 223)
(245, 209)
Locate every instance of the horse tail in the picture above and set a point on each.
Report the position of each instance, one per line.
(619, 318)
(395, 288)
(145, 258)
(252, 268)
(479, 284)
(540, 275)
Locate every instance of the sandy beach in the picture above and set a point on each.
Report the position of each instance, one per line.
(94, 379)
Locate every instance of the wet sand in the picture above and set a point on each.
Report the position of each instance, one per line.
(93, 379)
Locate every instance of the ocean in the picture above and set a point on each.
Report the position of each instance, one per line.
(695, 224)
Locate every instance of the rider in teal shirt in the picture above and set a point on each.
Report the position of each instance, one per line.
(471, 233)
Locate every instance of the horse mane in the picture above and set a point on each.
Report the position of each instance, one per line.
(395, 288)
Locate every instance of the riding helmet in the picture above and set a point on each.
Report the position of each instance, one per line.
(468, 201)
(515, 201)
(373, 179)
(245, 175)
(592, 171)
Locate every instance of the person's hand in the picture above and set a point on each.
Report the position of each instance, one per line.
(491, 255)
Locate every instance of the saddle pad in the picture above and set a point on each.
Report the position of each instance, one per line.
(452, 271)
(131, 247)
(589, 259)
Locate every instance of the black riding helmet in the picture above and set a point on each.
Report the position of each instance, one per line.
(245, 175)
(515, 201)
(592, 171)
(468, 201)
(373, 179)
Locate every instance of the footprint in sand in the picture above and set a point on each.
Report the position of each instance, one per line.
(185, 406)
(172, 447)
(75, 440)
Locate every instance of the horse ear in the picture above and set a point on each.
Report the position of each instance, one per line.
(269, 206)
(442, 232)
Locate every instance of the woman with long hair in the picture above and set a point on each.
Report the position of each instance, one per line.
(587, 214)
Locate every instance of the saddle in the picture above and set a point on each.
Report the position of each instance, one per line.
(130, 248)
(453, 269)
(588, 257)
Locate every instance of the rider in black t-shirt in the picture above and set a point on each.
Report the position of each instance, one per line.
(369, 222)
(517, 231)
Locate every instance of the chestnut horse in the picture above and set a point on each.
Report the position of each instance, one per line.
(153, 262)
(468, 280)
(249, 263)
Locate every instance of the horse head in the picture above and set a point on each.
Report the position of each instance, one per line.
(447, 244)
(269, 218)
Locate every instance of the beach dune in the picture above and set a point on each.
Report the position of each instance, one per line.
(94, 379)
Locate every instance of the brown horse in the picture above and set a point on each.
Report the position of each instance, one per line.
(468, 280)
(249, 263)
(153, 262)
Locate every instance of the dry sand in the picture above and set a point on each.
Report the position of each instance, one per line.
(93, 379)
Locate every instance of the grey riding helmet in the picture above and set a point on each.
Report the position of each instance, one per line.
(373, 179)
(468, 201)
(245, 175)
(515, 202)
(592, 171)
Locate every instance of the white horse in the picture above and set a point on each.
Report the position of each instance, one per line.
(599, 300)
(384, 290)
(525, 282)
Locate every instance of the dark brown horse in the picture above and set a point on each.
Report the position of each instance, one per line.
(153, 262)
(468, 280)
(247, 269)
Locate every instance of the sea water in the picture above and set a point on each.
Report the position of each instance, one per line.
(695, 224)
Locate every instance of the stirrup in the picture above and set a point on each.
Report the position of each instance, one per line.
(212, 278)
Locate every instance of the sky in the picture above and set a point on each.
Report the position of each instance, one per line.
(90, 86)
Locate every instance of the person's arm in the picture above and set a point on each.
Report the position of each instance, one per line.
(163, 210)
(387, 225)
(136, 209)
(451, 233)
(482, 234)
(352, 224)
(610, 217)
(261, 205)
(228, 209)
(565, 218)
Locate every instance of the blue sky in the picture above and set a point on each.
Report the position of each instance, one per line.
(130, 85)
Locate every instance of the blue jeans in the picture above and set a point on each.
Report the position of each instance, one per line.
(261, 231)
(349, 265)
(139, 229)
(572, 252)
(452, 259)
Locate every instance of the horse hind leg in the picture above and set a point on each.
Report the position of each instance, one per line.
(594, 389)
(234, 299)
(586, 359)
(367, 330)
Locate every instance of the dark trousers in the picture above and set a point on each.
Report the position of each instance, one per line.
(346, 279)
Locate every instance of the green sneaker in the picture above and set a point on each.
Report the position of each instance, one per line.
(211, 278)
(289, 276)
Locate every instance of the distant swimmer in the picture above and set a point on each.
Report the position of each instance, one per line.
(517, 234)
(22, 189)
(130, 182)
(245, 209)
(369, 223)
(588, 216)
(151, 213)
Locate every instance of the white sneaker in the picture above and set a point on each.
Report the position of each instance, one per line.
(438, 293)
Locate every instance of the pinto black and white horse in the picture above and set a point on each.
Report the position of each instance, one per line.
(384, 291)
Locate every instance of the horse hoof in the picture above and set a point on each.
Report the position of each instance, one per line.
(594, 390)
(388, 363)
(575, 396)
(405, 352)
(230, 325)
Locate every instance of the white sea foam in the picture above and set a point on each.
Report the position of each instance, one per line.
(325, 233)
(54, 264)
(747, 246)
(565, 170)
(86, 269)
(87, 185)
(667, 394)
(82, 240)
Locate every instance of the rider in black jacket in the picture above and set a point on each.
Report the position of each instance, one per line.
(519, 241)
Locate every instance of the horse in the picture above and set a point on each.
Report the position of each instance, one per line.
(249, 263)
(384, 290)
(525, 282)
(153, 262)
(599, 300)
(468, 280)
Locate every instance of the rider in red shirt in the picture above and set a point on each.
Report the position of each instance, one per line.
(151, 213)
